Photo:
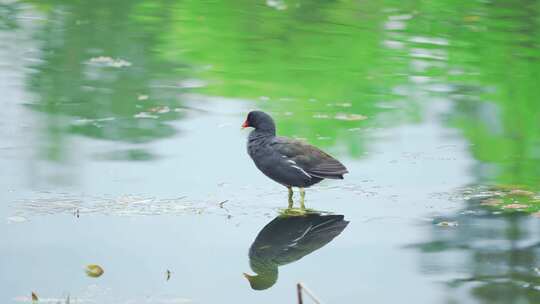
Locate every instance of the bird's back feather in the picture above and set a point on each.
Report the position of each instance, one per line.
(311, 159)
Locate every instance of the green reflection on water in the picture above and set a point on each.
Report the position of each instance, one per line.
(308, 65)
(129, 103)
(310, 62)
(501, 118)
(305, 64)
(497, 255)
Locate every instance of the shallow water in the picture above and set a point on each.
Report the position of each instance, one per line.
(120, 146)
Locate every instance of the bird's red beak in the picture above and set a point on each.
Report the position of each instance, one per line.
(245, 124)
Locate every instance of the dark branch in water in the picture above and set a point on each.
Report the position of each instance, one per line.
(300, 288)
(222, 203)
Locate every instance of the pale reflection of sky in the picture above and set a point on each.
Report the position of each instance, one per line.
(206, 162)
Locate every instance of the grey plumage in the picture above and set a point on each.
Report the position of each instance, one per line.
(287, 239)
(288, 161)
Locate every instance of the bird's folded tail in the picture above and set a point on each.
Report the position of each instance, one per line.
(332, 169)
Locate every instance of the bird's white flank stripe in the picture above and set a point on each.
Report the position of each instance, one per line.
(302, 170)
(293, 164)
(298, 239)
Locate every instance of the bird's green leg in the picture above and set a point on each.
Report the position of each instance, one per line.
(302, 196)
(290, 197)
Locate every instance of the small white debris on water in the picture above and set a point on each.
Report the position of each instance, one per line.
(277, 4)
(400, 17)
(96, 121)
(320, 116)
(393, 44)
(192, 84)
(340, 104)
(429, 40)
(108, 61)
(16, 219)
(342, 116)
(394, 25)
(145, 115)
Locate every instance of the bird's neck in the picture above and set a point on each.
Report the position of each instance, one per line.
(265, 278)
(261, 134)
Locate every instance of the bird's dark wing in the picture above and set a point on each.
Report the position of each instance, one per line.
(321, 232)
(311, 159)
(287, 239)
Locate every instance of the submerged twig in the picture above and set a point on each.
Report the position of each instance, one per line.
(222, 203)
(35, 298)
(300, 288)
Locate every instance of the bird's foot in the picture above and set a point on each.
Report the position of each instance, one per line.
(296, 212)
(293, 212)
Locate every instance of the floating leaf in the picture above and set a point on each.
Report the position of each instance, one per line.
(94, 271)
(323, 137)
(521, 192)
(447, 224)
(515, 206)
(491, 202)
(34, 297)
(142, 97)
(471, 18)
(350, 117)
(507, 187)
(168, 274)
(160, 109)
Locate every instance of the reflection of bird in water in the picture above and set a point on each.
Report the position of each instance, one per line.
(290, 162)
(287, 239)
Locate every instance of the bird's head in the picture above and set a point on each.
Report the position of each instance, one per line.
(260, 281)
(260, 121)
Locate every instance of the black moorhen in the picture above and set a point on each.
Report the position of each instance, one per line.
(287, 239)
(292, 163)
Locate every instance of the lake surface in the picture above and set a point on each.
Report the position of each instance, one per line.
(120, 145)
